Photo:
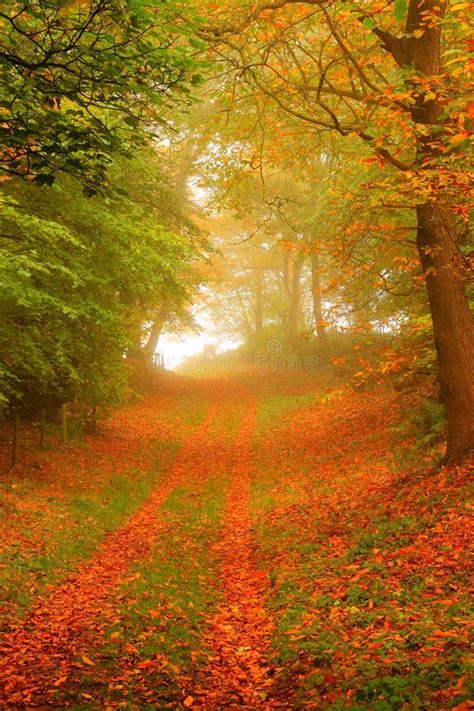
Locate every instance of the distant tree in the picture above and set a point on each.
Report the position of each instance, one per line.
(395, 78)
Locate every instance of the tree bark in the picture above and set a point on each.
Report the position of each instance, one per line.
(316, 291)
(246, 320)
(296, 266)
(437, 237)
(438, 247)
(149, 349)
(258, 305)
(453, 324)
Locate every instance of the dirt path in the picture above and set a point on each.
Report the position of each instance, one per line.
(50, 653)
(175, 608)
(40, 652)
(239, 674)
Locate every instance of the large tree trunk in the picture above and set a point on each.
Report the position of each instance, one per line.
(316, 292)
(453, 324)
(438, 247)
(151, 345)
(437, 239)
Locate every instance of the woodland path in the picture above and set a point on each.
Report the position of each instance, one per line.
(46, 654)
(248, 542)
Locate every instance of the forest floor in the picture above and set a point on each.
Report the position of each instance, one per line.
(264, 541)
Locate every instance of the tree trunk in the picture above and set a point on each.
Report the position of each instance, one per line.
(149, 349)
(246, 320)
(258, 301)
(316, 291)
(437, 242)
(453, 324)
(437, 239)
(151, 345)
(294, 302)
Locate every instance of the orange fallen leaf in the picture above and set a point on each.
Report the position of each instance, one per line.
(87, 661)
(60, 681)
(188, 701)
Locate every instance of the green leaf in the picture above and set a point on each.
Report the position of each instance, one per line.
(400, 10)
(368, 23)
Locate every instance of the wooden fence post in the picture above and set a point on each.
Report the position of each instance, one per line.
(64, 422)
(42, 428)
(15, 437)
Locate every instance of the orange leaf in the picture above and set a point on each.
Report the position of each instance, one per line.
(60, 681)
(87, 661)
(459, 137)
(188, 701)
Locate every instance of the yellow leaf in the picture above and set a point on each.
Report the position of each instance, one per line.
(455, 61)
(458, 137)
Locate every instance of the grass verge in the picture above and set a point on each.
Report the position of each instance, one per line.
(152, 646)
(369, 584)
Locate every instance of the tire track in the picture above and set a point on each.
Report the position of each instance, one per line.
(39, 653)
(239, 674)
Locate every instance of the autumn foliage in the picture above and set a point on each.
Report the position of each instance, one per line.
(279, 558)
(286, 523)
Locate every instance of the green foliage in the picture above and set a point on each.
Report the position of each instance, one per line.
(79, 277)
(424, 423)
(50, 313)
(400, 8)
(79, 78)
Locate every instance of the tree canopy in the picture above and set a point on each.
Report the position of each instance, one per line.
(322, 146)
(80, 77)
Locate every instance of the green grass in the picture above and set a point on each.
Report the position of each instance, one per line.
(272, 410)
(192, 409)
(165, 604)
(77, 527)
(227, 426)
(70, 529)
(330, 605)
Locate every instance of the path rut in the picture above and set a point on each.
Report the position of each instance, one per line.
(39, 652)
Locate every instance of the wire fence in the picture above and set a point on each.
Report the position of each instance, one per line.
(44, 429)
(48, 428)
